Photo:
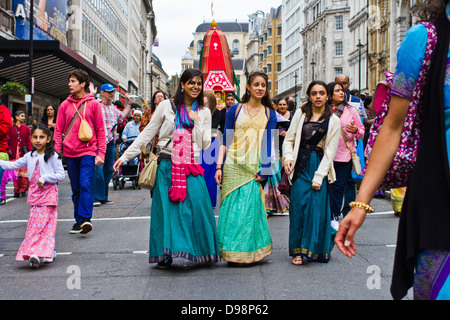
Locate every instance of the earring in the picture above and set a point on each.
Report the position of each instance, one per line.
(182, 90)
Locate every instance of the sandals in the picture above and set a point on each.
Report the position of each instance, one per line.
(164, 264)
(297, 260)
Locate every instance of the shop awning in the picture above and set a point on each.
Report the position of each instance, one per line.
(52, 62)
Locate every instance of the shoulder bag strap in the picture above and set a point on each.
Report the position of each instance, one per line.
(18, 135)
(346, 142)
(75, 117)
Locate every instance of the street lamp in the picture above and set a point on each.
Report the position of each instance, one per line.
(31, 57)
(295, 87)
(360, 46)
(151, 77)
(313, 64)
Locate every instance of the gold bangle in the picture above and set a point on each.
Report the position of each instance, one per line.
(361, 205)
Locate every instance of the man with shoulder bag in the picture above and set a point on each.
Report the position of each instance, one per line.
(80, 138)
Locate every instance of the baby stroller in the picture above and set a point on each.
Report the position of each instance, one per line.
(129, 171)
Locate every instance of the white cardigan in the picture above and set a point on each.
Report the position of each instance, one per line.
(163, 124)
(52, 171)
(292, 143)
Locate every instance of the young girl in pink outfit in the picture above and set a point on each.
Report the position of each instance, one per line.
(45, 169)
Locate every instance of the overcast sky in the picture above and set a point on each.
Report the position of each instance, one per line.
(176, 21)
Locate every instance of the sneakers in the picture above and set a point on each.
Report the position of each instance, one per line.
(75, 228)
(84, 227)
(49, 260)
(99, 203)
(34, 261)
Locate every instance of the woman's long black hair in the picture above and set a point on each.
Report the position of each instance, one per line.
(429, 10)
(307, 107)
(330, 87)
(50, 148)
(44, 118)
(266, 100)
(187, 75)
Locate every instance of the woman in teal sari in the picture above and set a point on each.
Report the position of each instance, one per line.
(182, 217)
(243, 230)
(309, 149)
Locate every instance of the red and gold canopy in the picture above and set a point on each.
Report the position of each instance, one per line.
(216, 63)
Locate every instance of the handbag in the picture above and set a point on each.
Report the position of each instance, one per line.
(360, 154)
(147, 177)
(85, 133)
(285, 184)
(356, 163)
(24, 147)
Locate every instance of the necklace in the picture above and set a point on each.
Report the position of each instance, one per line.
(252, 115)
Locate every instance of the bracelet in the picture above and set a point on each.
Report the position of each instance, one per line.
(361, 205)
(219, 169)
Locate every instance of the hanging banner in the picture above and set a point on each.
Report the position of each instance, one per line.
(49, 19)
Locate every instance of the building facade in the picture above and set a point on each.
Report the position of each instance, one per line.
(358, 44)
(254, 32)
(291, 74)
(117, 36)
(7, 26)
(388, 22)
(270, 48)
(325, 40)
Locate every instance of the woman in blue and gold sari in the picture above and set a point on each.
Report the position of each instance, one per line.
(243, 230)
(422, 257)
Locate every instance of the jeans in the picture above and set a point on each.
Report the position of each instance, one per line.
(81, 175)
(343, 190)
(103, 174)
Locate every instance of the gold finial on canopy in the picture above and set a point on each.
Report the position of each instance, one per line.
(213, 23)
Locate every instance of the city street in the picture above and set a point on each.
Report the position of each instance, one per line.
(111, 262)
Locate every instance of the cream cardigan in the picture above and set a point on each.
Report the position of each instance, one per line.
(292, 143)
(163, 124)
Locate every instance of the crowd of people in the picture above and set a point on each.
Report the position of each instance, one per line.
(240, 155)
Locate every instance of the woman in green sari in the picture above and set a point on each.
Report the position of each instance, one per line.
(243, 230)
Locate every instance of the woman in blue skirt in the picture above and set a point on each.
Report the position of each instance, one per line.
(309, 149)
(182, 218)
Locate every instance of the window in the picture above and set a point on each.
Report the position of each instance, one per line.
(339, 22)
(199, 47)
(279, 66)
(269, 67)
(338, 48)
(338, 71)
(278, 48)
(235, 46)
